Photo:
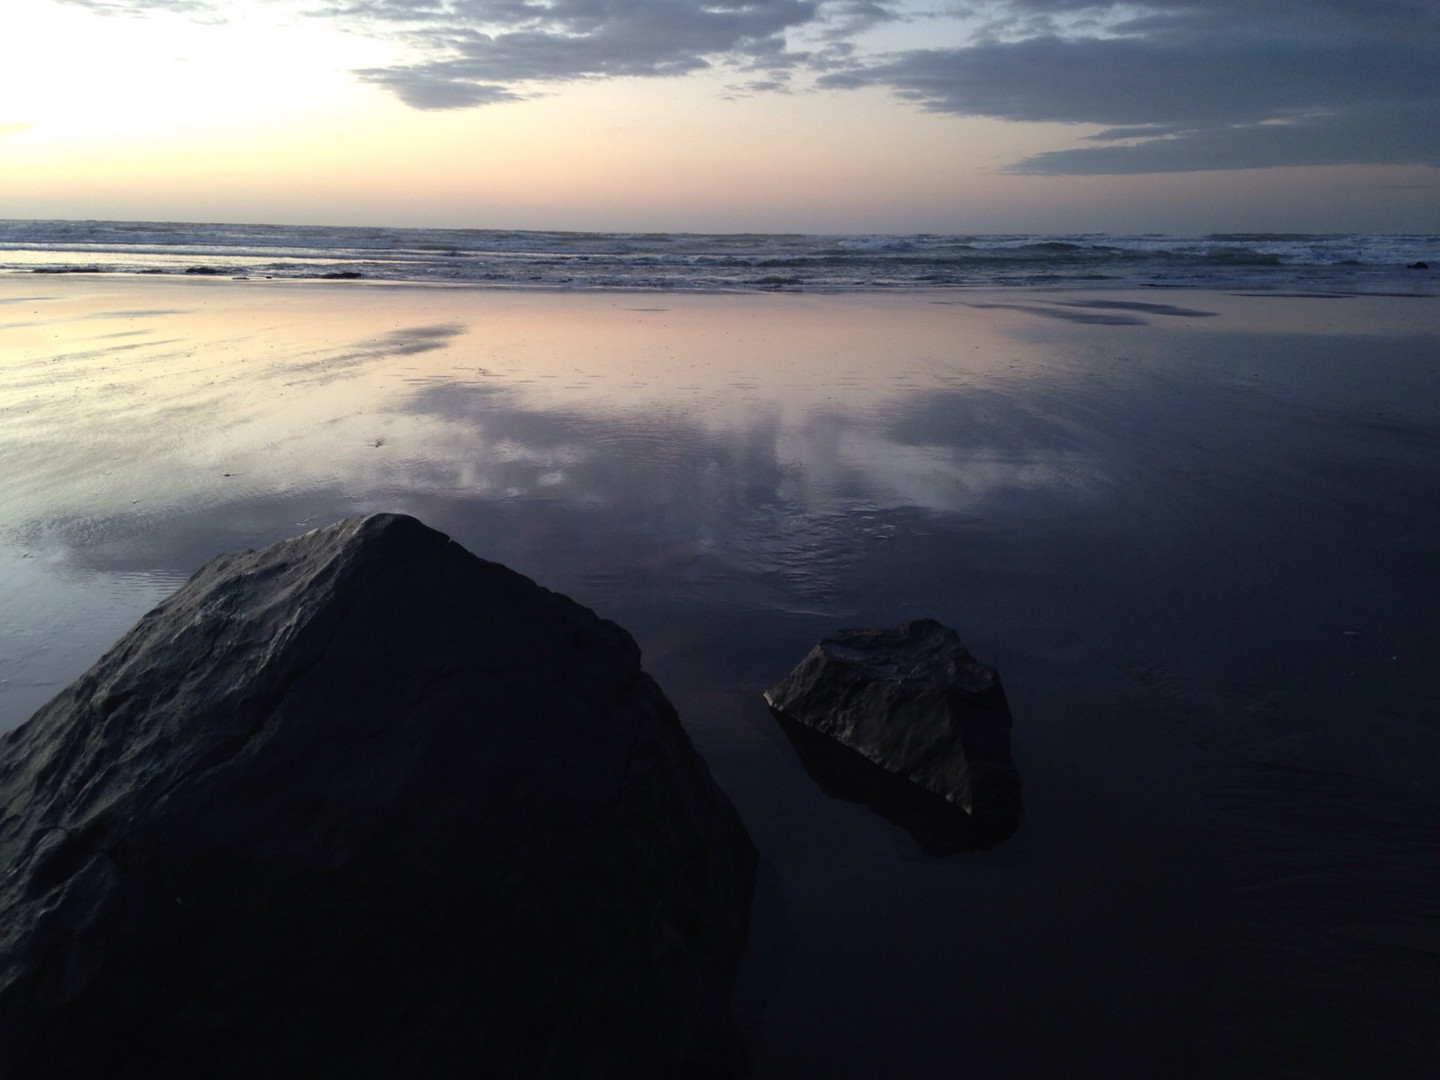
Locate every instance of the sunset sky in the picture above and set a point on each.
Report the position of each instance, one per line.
(765, 115)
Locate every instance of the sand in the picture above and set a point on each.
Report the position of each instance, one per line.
(1194, 530)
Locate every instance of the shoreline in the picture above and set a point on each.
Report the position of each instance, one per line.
(1387, 283)
(746, 262)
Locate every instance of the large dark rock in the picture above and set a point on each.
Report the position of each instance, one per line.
(907, 721)
(364, 805)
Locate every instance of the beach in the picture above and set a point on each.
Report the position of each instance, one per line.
(1194, 529)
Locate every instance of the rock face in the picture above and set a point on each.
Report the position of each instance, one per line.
(925, 727)
(364, 805)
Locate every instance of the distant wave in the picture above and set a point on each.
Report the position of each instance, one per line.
(712, 262)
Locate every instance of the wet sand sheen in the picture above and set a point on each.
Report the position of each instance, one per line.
(1194, 531)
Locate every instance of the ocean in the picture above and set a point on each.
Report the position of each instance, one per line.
(717, 262)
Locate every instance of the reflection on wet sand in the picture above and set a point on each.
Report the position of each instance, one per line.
(708, 412)
(1194, 531)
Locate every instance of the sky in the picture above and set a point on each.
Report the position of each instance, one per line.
(727, 115)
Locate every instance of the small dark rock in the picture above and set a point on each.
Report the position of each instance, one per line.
(923, 729)
(342, 275)
(1418, 266)
(364, 805)
(204, 271)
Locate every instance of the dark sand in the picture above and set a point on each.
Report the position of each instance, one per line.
(1196, 532)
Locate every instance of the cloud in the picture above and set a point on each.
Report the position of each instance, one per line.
(432, 87)
(1183, 86)
(482, 51)
(199, 9)
(1176, 85)
(1387, 134)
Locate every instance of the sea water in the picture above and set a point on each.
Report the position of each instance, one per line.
(715, 262)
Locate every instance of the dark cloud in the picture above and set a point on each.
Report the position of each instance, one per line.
(1130, 81)
(1180, 85)
(482, 51)
(1183, 86)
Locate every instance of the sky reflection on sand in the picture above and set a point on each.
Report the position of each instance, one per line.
(764, 437)
(753, 433)
(143, 418)
(503, 396)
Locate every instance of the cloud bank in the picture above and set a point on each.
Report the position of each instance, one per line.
(1176, 85)
(480, 52)
(1184, 85)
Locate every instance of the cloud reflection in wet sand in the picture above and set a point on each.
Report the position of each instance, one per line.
(571, 408)
(760, 433)
(757, 440)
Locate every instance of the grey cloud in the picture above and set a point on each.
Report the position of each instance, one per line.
(1365, 135)
(1140, 131)
(1132, 82)
(430, 89)
(1184, 86)
(841, 19)
(479, 51)
(747, 89)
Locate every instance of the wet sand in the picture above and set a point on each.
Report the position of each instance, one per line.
(1195, 531)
